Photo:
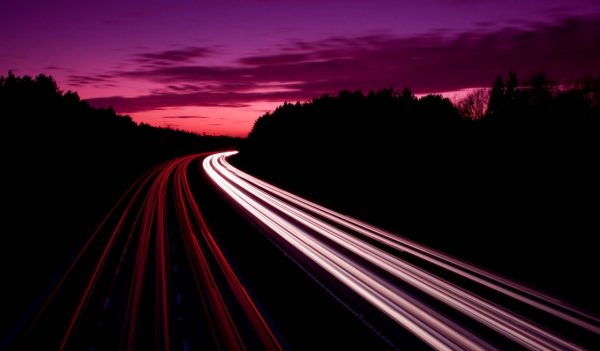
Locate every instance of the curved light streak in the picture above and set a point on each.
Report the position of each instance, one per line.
(319, 233)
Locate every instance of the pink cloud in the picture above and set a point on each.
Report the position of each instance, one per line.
(435, 62)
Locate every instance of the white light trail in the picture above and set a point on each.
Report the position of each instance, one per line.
(324, 236)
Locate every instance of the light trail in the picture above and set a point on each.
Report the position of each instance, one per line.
(132, 258)
(337, 244)
(126, 276)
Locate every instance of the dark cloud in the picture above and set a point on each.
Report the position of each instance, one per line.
(167, 57)
(275, 59)
(78, 80)
(160, 101)
(184, 87)
(434, 62)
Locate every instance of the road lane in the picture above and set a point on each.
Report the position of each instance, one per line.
(157, 274)
(326, 237)
(120, 292)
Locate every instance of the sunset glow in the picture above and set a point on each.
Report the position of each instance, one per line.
(223, 64)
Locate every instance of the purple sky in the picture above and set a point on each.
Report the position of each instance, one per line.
(215, 66)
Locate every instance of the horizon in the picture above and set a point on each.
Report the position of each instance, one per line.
(273, 175)
(214, 68)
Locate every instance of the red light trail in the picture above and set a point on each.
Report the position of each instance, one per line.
(136, 251)
(155, 246)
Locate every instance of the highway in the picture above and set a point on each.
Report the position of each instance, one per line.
(198, 254)
(126, 287)
(375, 264)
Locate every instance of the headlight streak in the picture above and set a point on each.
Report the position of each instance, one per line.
(464, 269)
(300, 223)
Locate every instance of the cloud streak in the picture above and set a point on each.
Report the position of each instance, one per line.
(78, 80)
(434, 62)
(166, 57)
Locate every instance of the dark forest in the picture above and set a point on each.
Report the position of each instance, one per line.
(506, 172)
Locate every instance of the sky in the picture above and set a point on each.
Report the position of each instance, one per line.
(215, 66)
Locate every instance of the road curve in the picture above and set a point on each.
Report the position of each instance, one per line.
(155, 276)
(376, 265)
(151, 277)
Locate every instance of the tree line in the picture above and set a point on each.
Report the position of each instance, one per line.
(506, 177)
(64, 165)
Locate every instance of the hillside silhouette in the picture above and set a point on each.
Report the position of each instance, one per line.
(64, 166)
(506, 178)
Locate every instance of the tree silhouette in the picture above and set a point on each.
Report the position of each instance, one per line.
(64, 165)
(474, 105)
(482, 185)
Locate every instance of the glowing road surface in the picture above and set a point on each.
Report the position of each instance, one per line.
(376, 264)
